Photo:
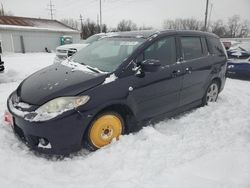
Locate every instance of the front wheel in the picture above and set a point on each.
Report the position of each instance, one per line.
(103, 129)
(211, 93)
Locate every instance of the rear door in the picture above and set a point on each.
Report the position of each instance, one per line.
(158, 92)
(196, 66)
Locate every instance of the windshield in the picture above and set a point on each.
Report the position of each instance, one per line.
(241, 46)
(245, 46)
(234, 46)
(107, 54)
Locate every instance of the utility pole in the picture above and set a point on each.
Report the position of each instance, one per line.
(205, 27)
(211, 8)
(51, 10)
(101, 16)
(81, 19)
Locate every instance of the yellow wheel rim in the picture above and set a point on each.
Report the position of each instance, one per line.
(104, 129)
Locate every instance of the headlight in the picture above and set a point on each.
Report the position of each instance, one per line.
(230, 66)
(62, 104)
(57, 106)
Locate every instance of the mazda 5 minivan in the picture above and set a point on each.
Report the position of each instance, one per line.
(106, 89)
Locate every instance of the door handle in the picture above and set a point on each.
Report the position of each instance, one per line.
(188, 70)
(175, 73)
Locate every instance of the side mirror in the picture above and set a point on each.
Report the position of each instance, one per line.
(150, 65)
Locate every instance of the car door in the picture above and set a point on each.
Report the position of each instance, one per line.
(196, 65)
(158, 92)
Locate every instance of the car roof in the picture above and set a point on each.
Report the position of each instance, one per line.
(137, 34)
(148, 33)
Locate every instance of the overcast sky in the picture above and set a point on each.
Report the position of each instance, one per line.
(142, 12)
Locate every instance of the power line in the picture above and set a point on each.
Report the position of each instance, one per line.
(51, 10)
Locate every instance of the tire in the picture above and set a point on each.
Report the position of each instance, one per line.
(211, 94)
(103, 129)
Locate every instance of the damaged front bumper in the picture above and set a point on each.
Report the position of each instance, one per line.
(59, 136)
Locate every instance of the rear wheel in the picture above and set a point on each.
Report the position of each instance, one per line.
(211, 93)
(103, 129)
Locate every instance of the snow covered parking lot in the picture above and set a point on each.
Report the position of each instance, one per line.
(207, 147)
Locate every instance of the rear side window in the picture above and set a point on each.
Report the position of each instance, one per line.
(215, 46)
(163, 50)
(191, 47)
(204, 46)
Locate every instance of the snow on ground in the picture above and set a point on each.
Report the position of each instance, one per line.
(19, 66)
(206, 147)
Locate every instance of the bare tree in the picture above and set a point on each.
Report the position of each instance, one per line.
(244, 29)
(219, 28)
(5, 13)
(145, 28)
(90, 28)
(126, 25)
(71, 22)
(234, 25)
(183, 24)
(104, 28)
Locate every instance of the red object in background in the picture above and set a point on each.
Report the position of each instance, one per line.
(8, 118)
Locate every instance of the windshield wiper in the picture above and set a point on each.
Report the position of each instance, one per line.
(93, 69)
(96, 70)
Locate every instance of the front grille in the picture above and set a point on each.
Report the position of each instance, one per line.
(61, 56)
(20, 107)
(61, 51)
(30, 140)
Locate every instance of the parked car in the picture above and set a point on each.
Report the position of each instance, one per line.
(239, 51)
(1, 65)
(67, 50)
(238, 69)
(107, 88)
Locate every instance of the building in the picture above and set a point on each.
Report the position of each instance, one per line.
(20, 34)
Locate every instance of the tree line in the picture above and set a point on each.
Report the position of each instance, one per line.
(89, 27)
(233, 27)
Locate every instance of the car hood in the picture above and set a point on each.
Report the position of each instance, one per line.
(57, 81)
(72, 46)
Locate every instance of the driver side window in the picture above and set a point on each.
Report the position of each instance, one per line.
(163, 50)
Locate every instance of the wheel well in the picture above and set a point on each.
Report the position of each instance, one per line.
(124, 111)
(218, 80)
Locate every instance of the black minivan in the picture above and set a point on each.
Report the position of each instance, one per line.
(109, 87)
